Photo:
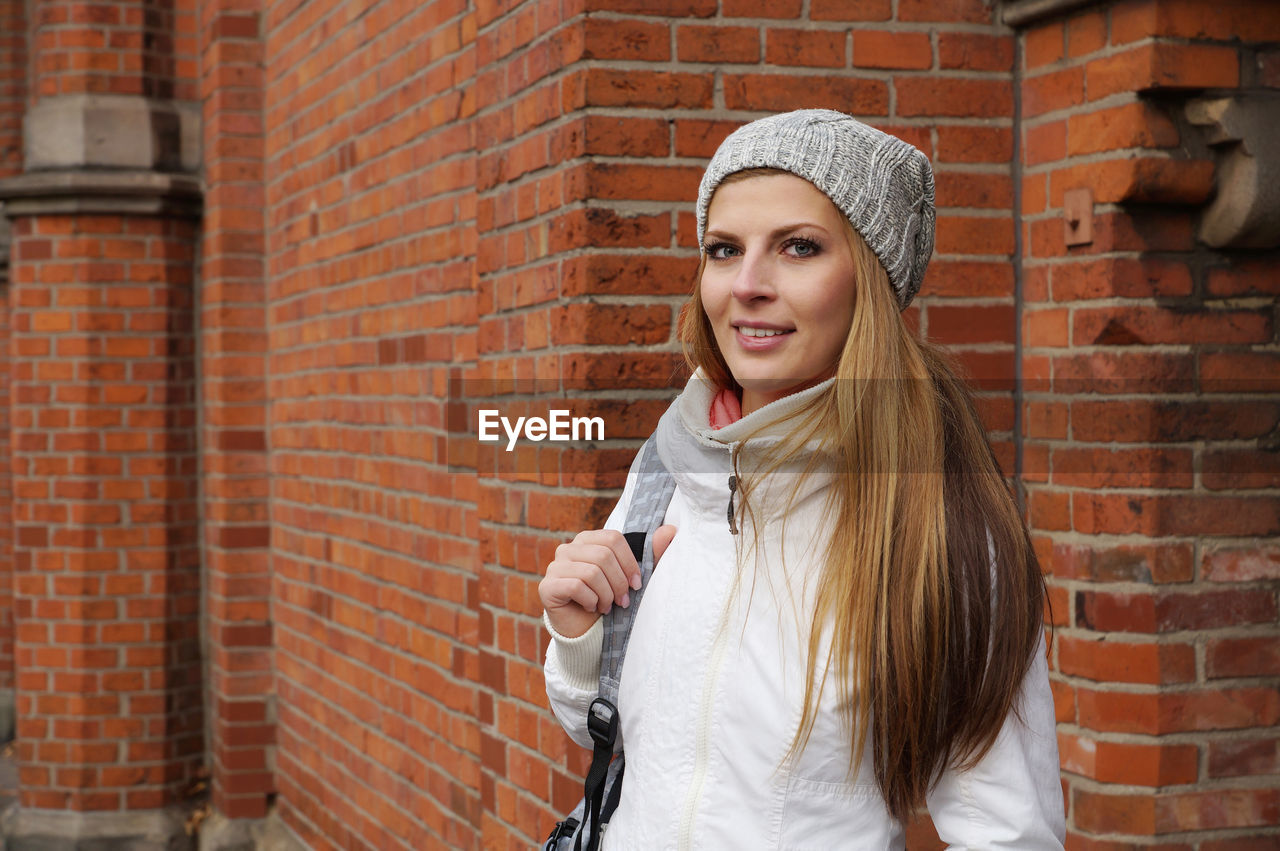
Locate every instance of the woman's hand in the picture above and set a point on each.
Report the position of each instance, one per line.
(591, 574)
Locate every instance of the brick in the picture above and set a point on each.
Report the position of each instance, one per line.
(967, 189)
(1148, 180)
(699, 138)
(660, 90)
(626, 40)
(1240, 469)
(1125, 563)
(895, 50)
(788, 9)
(967, 278)
(609, 135)
(1156, 421)
(974, 144)
(721, 45)
(1241, 564)
(1044, 44)
(1045, 328)
(1117, 661)
(967, 98)
(951, 11)
(850, 10)
(1086, 33)
(1242, 278)
(1121, 468)
(1122, 277)
(1129, 764)
(862, 97)
(1178, 514)
(1162, 65)
(1244, 757)
(1045, 143)
(1151, 326)
(1052, 91)
(972, 51)
(1190, 20)
(813, 48)
(1132, 125)
(1239, 372)
(1217, 808)
(973, 235)
(1100, 812)
(1243, 657)
(960, 325)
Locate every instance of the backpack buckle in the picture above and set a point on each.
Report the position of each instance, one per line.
(563, 830)
(602, 722)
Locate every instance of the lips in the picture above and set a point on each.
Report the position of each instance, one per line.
(758, 337)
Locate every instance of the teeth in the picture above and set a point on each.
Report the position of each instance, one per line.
(759, 332)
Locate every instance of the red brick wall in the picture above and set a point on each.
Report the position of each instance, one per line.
(508, 193)
(1150, 419)
(106, 561)
(13, 90)
(123, 48)
(406, 202)
(240, 690)
(371, 240)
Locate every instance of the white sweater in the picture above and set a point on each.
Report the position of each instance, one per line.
(713, 684)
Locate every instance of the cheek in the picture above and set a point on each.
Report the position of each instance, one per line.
(715, 297)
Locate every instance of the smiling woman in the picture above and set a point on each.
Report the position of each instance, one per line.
(779, 299)
(863, 635)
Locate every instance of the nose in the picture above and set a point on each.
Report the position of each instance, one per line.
(753, 280)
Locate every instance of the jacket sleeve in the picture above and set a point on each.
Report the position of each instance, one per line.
(572, 666)
(1012, 799)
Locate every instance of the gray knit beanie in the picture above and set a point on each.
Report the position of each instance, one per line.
(883, 185)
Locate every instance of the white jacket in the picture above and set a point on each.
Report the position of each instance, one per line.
(713, 684)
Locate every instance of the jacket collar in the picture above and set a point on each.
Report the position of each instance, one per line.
(699, 457)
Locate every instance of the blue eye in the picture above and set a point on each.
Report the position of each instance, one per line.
(799, 247)
(721, 251)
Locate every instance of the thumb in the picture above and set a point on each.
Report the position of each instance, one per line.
(661, 540)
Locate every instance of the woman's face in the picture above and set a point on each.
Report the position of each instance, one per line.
(778, 285)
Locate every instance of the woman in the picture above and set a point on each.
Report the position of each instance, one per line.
(852, 630)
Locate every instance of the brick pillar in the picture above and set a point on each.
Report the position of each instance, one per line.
(1150, 421)
(13, 79)
(103, 408)
(240, 697)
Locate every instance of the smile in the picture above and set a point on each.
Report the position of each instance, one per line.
(760, 332)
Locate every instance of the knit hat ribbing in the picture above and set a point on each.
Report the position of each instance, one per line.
(883, 185)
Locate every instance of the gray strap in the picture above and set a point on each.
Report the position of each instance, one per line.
(653, 491)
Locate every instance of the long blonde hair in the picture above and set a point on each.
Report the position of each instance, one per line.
(929, 588)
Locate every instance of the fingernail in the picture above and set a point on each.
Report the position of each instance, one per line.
(626, 601)
(635, 582)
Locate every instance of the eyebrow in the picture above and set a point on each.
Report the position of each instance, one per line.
(773, 234)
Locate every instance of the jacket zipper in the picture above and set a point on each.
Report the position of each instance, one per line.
(733, 487)
(702, 742)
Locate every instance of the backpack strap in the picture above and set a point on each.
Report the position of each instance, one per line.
(648, 508)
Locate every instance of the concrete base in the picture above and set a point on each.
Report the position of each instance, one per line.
(219, 833)
(59, 830)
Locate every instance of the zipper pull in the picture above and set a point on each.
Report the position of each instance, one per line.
(733, 486)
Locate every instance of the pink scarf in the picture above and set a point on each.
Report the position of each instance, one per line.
(725, 408)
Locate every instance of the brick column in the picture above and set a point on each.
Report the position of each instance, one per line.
(103, 409)
(13, 82)
(1150, 423)
(240, 697)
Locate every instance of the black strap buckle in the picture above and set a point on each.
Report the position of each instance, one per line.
(563, 830)
(602, 723)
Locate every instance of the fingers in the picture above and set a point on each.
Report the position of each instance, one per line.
(661, 540)
(595, 570)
